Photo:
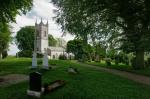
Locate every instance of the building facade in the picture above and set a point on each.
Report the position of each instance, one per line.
(41, 35)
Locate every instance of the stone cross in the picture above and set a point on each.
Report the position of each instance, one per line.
(34, 60)
(45, 61)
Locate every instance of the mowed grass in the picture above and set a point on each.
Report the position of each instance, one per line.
(88, 84)
(122, 67)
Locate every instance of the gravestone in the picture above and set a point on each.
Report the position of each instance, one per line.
(34, 60)
(35, 84)
(72, 70)
(45, 61)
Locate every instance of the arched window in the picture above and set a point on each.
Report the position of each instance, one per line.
(45, 33)
(38, 33)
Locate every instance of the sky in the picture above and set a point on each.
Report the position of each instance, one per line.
(41, 9)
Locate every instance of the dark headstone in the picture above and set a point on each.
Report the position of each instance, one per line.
(35, 82)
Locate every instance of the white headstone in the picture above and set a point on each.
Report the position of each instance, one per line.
(34, 60)
(45, 61)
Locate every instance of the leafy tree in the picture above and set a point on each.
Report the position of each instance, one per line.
(132, 16)
(60, 42)
(100, 50)
(79, 49)
(4, 38)
(25, 38)
(10, 8)
(75, 47)
(51, 40)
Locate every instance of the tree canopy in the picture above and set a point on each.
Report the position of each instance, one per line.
(25, 38)
(51, 40)
(10, 8)
(79, 49)
(131, 16)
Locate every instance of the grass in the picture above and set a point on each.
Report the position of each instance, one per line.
(123, 67)
(88, 84)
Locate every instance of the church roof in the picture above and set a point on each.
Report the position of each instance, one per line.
(56, 49)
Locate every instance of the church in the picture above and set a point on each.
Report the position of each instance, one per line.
(41, 43)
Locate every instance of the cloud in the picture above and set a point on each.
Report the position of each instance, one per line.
(41, 9)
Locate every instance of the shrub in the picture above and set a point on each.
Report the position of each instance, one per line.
(39, 55)
(62, 57)
(133, 62)
(108, 61)
(148, 61)
(25, 53)
(28, 53)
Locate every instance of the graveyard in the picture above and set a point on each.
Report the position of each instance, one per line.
(75, 49)
(87, 84)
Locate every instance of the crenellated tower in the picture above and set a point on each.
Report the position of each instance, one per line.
(41, 31)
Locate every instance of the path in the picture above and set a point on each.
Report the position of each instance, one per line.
(135, 77)
(12, 79)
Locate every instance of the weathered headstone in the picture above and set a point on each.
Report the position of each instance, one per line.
(45, 61)
(34, 60)
(35, 84)
(72, 70)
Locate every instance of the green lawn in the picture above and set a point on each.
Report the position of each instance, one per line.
(88, 84)
(122, 67)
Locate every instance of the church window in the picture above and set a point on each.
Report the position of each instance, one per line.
(44, 49)
(45, 33)
(38, 33)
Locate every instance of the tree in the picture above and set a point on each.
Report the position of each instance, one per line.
(10, 8)
(61, 42)
(132, 16)
(4, 37)
(25, 38)
(51, 40)
(100, 50)
(79, 49)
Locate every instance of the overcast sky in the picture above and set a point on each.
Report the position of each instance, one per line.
(41, 9)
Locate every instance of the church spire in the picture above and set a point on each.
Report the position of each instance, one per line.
(36, 22)
(47, 22)
(41, 21)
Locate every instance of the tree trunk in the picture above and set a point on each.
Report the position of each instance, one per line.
(0, 55)
(139, 59)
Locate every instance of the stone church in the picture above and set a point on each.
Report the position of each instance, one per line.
(41, 35)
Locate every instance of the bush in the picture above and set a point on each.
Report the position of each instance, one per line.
(39, 55)
(148, 61)
(25, 53)
(28, 53)
(62, 57)
(133, 62)
(108, 61)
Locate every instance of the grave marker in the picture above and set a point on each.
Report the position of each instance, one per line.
(35, 84)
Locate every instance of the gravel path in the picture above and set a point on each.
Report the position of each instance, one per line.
(135, 77)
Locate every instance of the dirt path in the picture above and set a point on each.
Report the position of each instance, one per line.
(12, 79)
(135, 77)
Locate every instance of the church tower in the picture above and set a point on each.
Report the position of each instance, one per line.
(41, 31)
